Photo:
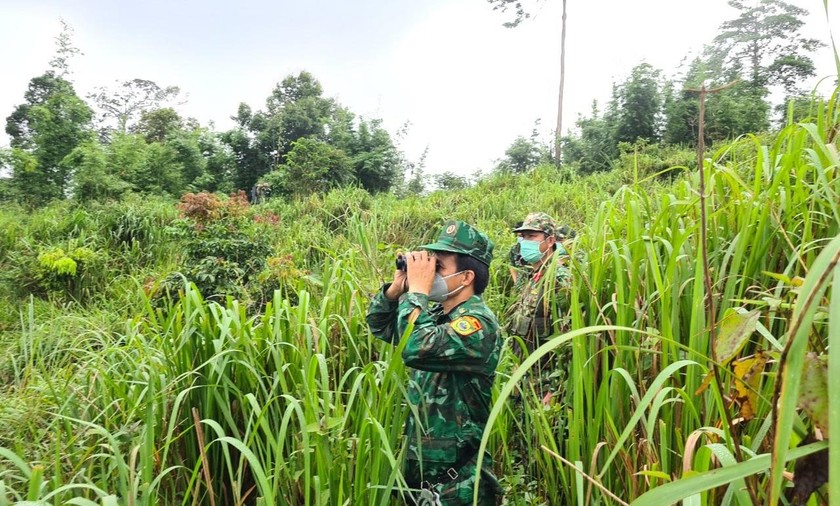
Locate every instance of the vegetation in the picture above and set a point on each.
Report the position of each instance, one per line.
(127, 385)
(171, 332)
(760, 51)
(130, 140)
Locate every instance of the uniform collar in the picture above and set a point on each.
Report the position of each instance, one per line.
(464, 307)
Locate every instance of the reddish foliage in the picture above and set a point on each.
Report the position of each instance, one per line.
(237, 205)
(200, 207)
(205, 207)
(268, 218)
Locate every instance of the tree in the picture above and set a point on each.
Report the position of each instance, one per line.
(250, 162)
(595, 148)
(157, 124)
(93, 178)
(22, 167)
(449, 181)
(190, 160)
(734, 111)
(520, 14)
(221, 164)
(121, 106)
(312, 165)
(50, 124)
(148, 168)
(295, 109)
(680, 110)
(376, 162)
(65, 50)
(639, 106)
(523, 155)
(765, 45)
(417, 182)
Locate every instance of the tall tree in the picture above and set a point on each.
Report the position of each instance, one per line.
(301, 109)
(595, 148)
(64, 51)
(250, 161)
(300, 127)
(50, 124)
(295, 109)
(734, 111)
(639, 105)
(680, 115)
(120, 107)
(416, 184)
(376, 162)
(157, 125)
(766, 45)
(221, 164)
(520, 14)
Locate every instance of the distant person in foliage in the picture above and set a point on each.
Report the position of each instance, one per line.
(452, 351)
(542, 283)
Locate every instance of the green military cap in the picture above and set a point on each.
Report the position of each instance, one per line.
(537, 222)
(458, 237)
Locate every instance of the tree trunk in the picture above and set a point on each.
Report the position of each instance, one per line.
(559, 132)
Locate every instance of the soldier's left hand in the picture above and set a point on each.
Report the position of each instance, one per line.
(422, 266)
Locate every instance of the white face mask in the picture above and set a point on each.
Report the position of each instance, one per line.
(530, 250)
(439, 292)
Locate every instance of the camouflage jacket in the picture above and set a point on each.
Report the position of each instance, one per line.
(453, 360)
(533, 316)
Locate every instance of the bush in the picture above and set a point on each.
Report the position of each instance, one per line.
(641, 160)
(225, 245)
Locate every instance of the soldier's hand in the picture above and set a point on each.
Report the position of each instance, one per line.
(398, 286)
(422, 266)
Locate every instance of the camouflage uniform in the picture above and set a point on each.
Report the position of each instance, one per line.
(534, 316)
(453, 360)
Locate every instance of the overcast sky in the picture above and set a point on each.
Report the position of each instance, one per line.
(467, 85)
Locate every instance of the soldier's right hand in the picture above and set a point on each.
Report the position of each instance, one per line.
(398, 286)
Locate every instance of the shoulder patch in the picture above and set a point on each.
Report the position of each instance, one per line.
(465, 325)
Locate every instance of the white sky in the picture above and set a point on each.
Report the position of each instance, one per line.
(467, 85)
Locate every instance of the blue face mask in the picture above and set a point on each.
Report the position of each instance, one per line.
(440, 292)
(530, 250)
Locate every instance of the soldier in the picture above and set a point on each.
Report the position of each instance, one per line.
(452, 351)
(541, 305)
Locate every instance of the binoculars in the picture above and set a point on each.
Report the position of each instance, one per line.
(401, 265)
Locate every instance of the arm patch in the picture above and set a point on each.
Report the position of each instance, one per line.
(465, 325)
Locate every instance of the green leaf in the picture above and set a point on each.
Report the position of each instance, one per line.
(794, 358)
(655, 474)
(733, 332)
(670, 493)
(833, 376)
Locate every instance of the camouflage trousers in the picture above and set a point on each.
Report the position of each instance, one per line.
(547, 377)
(457, 491)
(545, 388)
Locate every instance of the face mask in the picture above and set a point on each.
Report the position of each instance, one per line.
(530, 250)
(439, 292)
